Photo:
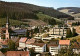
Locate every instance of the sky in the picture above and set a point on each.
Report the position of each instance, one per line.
(50, 3)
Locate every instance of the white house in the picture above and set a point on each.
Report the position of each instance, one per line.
(64, 43)
(53, 49)
(22, 42)
(38, 47)
(28, 43)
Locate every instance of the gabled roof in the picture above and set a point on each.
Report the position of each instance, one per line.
(3, 29)
(23, 39)
(29, 41)
(39, 44)
(17, 53)
(4, 42)
(64, 42)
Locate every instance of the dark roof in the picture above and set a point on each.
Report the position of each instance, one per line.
(20, 31)
(54, 42)
(53, 45)
(38, 44)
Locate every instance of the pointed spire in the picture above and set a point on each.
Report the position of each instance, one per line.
(7, 28)
(7, 20)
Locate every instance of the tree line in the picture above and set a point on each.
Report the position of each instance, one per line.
(22, 10)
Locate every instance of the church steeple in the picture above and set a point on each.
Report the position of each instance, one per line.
(7, 28)
(7, 20)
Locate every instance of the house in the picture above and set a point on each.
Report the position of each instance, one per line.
(53, 49)
(3, 43)
(2, 32)
(76, 48)
(1, 54)
(18, 53)
(19, 32)
(29, 41)
(22, 42)
(38, 47)
(64, 43)
(70, 22)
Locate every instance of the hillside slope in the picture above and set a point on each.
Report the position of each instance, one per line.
(73, 11)
(17, 10)
(21, 11)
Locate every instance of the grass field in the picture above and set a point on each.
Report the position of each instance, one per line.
(75, 38)
(12, 22)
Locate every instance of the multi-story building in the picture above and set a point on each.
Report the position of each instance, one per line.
(38, 47)
(22, 42)
(53, 49)
(58, 32)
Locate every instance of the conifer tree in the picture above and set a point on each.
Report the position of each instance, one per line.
(69, 33)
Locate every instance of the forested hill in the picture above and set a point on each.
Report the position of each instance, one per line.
(17, 10)
(71, 9)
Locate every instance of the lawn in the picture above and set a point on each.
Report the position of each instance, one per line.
(76, 38)
(12, 22)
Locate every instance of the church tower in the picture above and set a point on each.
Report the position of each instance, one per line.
(7, 29)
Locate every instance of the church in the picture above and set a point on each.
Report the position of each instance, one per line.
(7, 29)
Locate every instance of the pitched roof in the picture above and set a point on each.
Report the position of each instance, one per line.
(64, 42)
(23, 39)
(29, 41)
(17, 53)
(3, 29)
(20, 31)
(4, 42)
(38, 44)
